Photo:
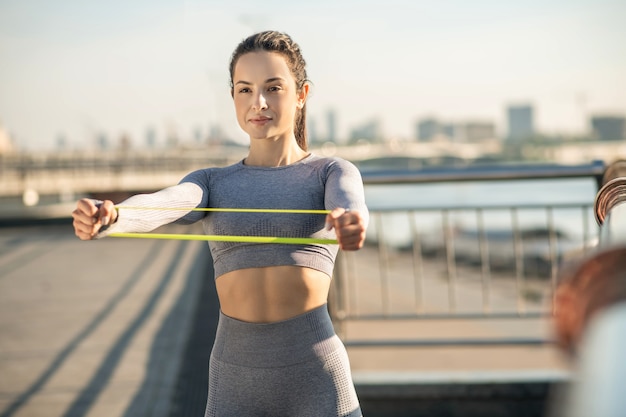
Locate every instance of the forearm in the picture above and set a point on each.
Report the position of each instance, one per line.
(145, 212)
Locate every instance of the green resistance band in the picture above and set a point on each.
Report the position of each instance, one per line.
(231, 210)
(226, 238)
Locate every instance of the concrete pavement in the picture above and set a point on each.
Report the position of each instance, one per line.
(94, 328)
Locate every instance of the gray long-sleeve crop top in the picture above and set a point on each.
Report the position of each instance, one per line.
(315, 183)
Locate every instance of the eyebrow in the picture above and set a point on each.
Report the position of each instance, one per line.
(269, 80)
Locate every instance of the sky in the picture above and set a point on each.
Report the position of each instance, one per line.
(79, 68)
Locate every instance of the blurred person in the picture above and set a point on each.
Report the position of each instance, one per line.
(590, 327)
(275, 352)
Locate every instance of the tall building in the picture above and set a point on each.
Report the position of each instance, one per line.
(609, 127)
(449, 130)
(198, 136)
(471, 131)
(371, 131)
(216, 135)
(331, 126)
(428, 129)
(151, 137)
(62, 142)
(311, 129)
(102, 141)
(520, 122)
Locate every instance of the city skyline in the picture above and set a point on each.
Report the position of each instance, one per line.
(77, 70)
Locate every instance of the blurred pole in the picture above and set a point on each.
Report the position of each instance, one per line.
(596, 311)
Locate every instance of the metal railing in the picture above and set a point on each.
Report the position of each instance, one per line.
(610, 207)
(599, 282)
(466, 274)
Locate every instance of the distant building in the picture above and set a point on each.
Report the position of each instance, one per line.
(608, 127)
(370, 131)
(311, 129)
(474, 131)
(216, 135)
(198, 135)
(102, 141)
(427, 129)
(331, 126)
(62, 142)
(448, 130)
(125, 143)
(520, 121)
(430, 129)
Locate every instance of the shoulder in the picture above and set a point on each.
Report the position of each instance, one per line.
(332, 163)
(205, 175)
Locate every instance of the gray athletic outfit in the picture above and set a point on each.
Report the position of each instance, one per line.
(297, 367)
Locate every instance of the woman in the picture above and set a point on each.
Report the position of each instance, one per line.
(275, 352)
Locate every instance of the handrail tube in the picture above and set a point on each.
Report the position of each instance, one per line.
(449, 316)
(504, 341)
(482, 207)
(610, 207)
(482, 173)
(610, 195)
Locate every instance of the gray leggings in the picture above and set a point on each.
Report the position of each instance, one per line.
(292, 368)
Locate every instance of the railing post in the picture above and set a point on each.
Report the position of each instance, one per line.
(336, 304)
(483, 245)
(552, 243)
(450, 259)
(384, 266)
(418, 264)
(519, 262)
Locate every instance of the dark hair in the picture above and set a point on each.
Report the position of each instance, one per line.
(272, 41)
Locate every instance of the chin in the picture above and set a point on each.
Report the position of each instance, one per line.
(257, 136)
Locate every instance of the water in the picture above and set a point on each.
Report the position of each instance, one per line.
(428, 198)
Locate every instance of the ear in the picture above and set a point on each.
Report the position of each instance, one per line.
(302, 96)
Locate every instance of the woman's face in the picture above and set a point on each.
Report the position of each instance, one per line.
(265, 95)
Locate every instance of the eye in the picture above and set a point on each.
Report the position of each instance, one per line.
(244, 90)
(274, 88)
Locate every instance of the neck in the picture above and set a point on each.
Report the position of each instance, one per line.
(274, 153)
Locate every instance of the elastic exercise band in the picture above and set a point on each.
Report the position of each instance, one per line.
(231, 210)
(249, 239)
(226, 238)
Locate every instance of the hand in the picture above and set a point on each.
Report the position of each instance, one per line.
(89, 219)
(349, 228)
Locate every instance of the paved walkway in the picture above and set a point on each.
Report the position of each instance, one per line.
(94, 328)
(115, 328)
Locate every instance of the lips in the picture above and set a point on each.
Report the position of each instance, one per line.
(260, 120)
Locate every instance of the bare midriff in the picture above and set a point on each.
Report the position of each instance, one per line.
(270, 294)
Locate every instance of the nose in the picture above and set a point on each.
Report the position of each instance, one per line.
(260, 103)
